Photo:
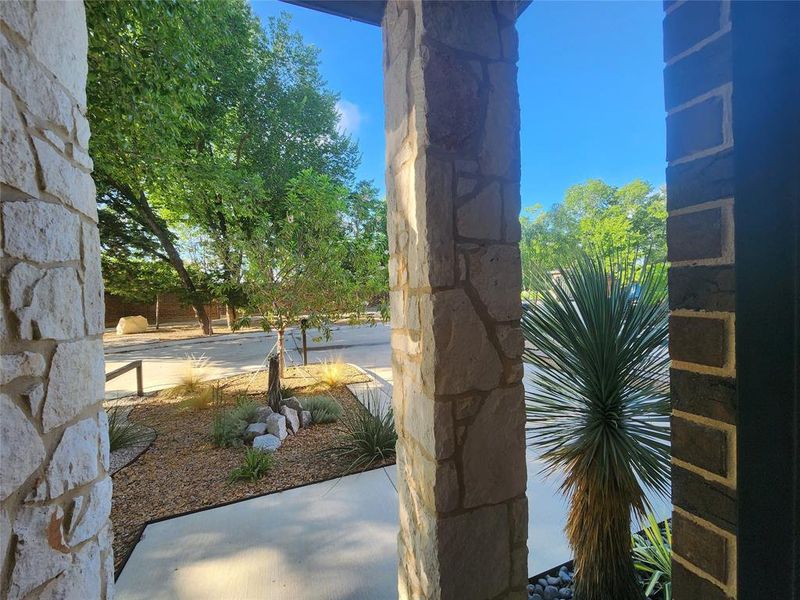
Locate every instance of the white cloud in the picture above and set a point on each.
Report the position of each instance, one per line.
(350, 117)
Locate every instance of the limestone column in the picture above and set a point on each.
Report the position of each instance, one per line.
(452, 128)
(55, 493)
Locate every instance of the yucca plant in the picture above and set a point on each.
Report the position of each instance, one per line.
(368, 436)
(599, 407)
(652, 556)
(123, 433)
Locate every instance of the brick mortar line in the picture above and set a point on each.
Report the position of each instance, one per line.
(723, 91)
(703, 206)
(731, 458)
(699, 45)
(728, 482)
(694, 569)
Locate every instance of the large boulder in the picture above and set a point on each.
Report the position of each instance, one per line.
(266, 443)
(292, 418)
(254, 430)
(126, 325)
(276, 425)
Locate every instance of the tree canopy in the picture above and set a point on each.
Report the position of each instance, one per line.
(201, 118)
(595, 217)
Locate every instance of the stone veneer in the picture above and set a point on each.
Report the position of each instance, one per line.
(55, 493)
(700, 235)
(452, 129)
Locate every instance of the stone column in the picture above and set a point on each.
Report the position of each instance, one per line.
(55, 493)
(452, 129)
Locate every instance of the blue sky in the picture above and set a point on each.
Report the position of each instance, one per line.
(590, 83)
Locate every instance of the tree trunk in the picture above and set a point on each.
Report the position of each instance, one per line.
(230, 315)
(281, 352)
(158, 297)
(274, 384)
(154, 224)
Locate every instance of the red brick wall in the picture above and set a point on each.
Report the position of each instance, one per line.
(171, 310)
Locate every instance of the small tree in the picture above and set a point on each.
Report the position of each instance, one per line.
(298, 266)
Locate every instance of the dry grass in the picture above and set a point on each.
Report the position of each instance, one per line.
(333, 372)
(183, 471)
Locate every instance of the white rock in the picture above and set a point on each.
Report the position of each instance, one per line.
(17, 167)
(41, 231)
(65, 181)
(77, 380)
(21, 449)
(267, 443)
(26, 364)
(41, 552)
(292, 420)
(93, 301)
(47, 302)
(82, 132)
(305, 418)
(74, 461)
(259, 428)
(126, 325)
(276, 425)
(88, 523)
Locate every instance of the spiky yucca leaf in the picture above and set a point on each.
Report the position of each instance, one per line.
(599, 406)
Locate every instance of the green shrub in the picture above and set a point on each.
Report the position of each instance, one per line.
(323, 410)
(255, 466)
(227, 429)
(652, 557)
(286, 392)
(123, 433)
(368, 436)
(246, 409)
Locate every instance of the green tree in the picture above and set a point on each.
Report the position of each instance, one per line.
(201, 118)
(297, 266)
(594, 217)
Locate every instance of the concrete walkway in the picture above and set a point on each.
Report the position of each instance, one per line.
(334, 540)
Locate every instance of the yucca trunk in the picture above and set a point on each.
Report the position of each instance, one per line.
(598, 529)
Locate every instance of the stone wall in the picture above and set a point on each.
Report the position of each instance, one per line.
(55, 494)
(452, 129)
(700, 234)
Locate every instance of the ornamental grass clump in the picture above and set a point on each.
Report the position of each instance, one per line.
(323, 410)
(227, 429)
(256, 464)
(246, 410)
(334, 373)
(123, 433)
(598, 404)
(368, 436)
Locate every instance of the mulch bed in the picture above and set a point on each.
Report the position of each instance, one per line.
(182, 471)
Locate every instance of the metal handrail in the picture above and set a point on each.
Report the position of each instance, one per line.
(136, 364)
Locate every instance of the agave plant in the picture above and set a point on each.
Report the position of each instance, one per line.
(652, 555)
(599, 407)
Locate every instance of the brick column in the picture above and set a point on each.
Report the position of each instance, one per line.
(55, 494)
(700, 236)
(452, 127)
